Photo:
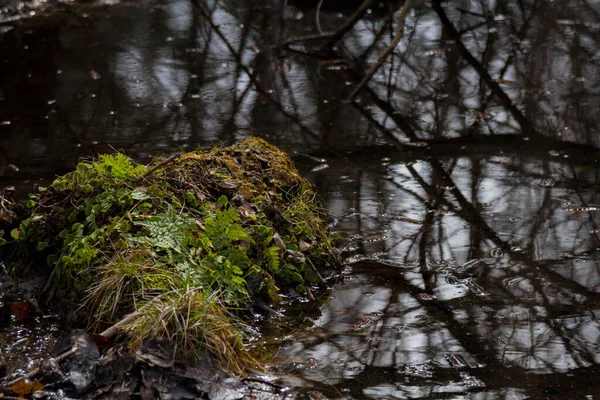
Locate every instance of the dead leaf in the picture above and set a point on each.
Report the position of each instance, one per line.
(20, 310)
(246, 193)
(278, 241)
(26, 387)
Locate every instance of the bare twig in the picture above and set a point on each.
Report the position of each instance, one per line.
(112, 331)
(386, 52)
(160, 165)
(34, 372)
(316, 271)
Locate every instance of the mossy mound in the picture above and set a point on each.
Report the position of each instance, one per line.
(186, 242)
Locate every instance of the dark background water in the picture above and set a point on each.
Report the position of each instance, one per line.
(465, 174)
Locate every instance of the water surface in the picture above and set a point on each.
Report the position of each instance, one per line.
(464, 175)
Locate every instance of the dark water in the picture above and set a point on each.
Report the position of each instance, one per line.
(465, 175)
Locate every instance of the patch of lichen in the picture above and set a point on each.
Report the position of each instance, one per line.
(228, 226)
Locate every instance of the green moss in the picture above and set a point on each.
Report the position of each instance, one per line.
(208, 229)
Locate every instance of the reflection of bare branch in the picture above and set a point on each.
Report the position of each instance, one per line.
(386, 52)
(492, 84)
(318, 17)
(332, 37)
(250, 75)
(470, 213)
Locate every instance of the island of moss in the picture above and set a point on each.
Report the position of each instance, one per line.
(180, 247)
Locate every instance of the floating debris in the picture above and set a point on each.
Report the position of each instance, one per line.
(434, 52)
(512, 281)
(417, 144)
(548, 182)
(470, 283)
(349, 247)
(496, 252)
(406, 219)
(440, 211)
(319, 167)
(482, 115)
(418, 370)
(470, 381)
(355, 258)
(474, 287)
(456, 361)
(376, 238)
(445, 263)
(349, 215)
(469, 265)
(363, 324)
(426, 297)
(581, 208)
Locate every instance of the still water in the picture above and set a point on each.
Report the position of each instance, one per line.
(464, 176)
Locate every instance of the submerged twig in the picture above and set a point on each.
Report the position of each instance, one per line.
(386, 52)
(34, 372)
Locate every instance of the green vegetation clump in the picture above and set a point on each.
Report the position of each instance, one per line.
(187, 243)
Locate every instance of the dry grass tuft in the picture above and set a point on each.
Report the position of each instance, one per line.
(197, 325)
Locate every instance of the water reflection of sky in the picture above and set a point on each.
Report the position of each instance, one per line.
(479, 264)
(530, 306)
